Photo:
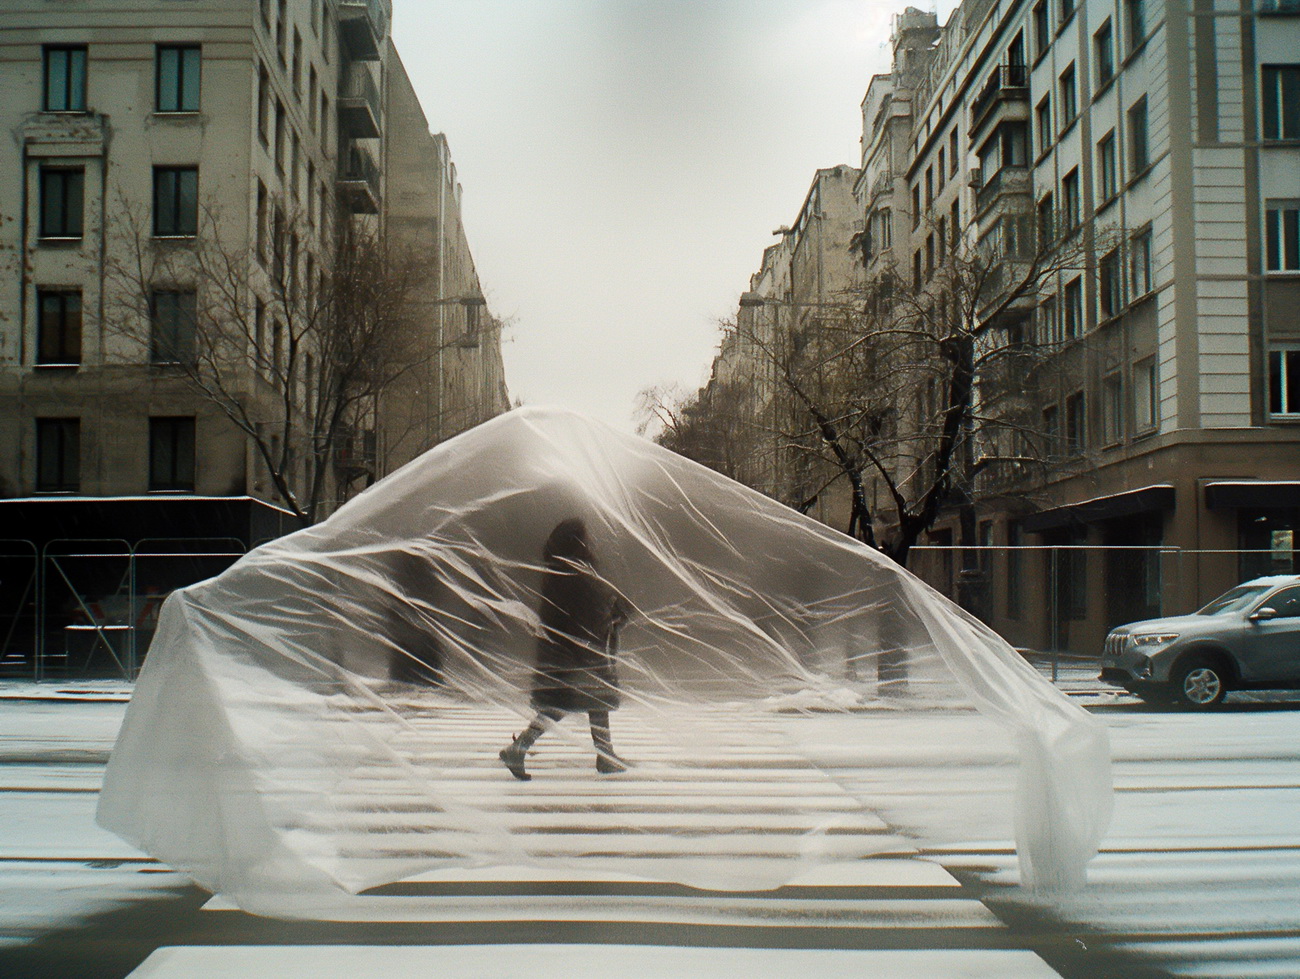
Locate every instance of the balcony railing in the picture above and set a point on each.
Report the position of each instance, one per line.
(359, 180)
(363, 25)
(359, 103)
(1007, 180)
(1007, 81)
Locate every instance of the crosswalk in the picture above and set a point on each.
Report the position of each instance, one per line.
(666, 869)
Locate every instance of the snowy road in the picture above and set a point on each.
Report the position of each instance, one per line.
(1199, 876)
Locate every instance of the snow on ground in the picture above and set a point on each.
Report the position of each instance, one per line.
(1198, 876)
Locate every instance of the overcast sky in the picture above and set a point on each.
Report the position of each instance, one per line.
(624, 163)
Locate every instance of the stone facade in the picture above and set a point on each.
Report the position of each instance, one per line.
(269, 123)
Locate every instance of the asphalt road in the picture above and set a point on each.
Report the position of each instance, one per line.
(1199, 876)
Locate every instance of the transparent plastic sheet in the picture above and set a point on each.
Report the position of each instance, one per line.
(328, 715)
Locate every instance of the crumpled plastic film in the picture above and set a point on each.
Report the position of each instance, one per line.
(338, 710)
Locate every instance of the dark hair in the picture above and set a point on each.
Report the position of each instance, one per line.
(567, 543)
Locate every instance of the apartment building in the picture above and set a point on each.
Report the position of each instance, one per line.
(1155, 441)
(804, 283)
(261, 131)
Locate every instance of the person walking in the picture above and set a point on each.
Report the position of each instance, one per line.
(576, 651)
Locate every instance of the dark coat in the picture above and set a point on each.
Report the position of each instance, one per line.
(580, 615)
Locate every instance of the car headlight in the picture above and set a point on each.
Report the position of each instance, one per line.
(1153, 640)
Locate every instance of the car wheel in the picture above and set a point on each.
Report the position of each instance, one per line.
(1199, 683)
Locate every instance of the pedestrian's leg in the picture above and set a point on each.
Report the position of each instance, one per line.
(513, 754)
(607, 762)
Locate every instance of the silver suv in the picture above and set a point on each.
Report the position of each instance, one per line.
(1247, 638)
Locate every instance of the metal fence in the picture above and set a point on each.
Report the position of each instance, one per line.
(88, 608)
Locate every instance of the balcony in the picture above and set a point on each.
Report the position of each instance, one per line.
(359, 180)
(359, 104)
(1008, 180)
(1007, 83)
(363, 26)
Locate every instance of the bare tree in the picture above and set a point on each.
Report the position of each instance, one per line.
(293, 343)
(918, 384)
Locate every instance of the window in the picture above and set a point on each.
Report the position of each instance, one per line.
(311, 96)
(955, 216)
(65, 79)
(58, 328)
(1145, 394)
(1103, 43)
(259, 332)
(297, 63)
(1284, 381)
(1051, 431)
(295, 170)
(1140, 264)
(1108, 167)
(263, 106)
(1282, 236)
(1139, 153)
(1043, 118)
(1067, 10)
(953, 159)
(311, 193)
(1042, 28)
(1110, 285)
(929, 186)
(171, 454)
(941, 233)
(1135, 12)
(1070, 201)
(62, 200)
(941, 169)
(916, 206)
(177, 82)
(175, 202)
(1281, 101)
(929, 255)
(262, 221)
(1112, 409)
(1048, 327)
(1076, 424)
(58, 455)
(173, 315)
(1072, 308)
(1069, 97)
(279, 136)
(916, 271)
(1046, 222)
(324, 124)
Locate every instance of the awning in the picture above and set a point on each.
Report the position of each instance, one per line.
(1255, 493)
(1112, 507)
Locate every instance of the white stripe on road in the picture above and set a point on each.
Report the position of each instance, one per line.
(566, 961)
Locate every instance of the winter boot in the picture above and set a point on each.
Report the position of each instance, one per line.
(512, 755)
(607, 763)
